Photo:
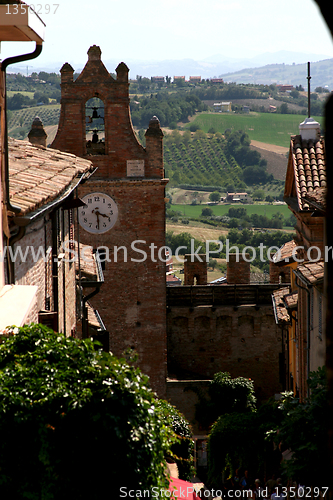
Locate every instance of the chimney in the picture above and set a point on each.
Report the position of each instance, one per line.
(238, 269)
(195, 269)
(309, 130)
(37, 134)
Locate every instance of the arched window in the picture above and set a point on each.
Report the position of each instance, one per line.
(95, 130)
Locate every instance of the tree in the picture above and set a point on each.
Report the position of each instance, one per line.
(304, 430)
(258, 194)
(214, 196)
(237, 212)
(284, 108)
(68, 411)
(206, 212)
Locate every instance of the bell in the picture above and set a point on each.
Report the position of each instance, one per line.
(95, 115)
(94, 137)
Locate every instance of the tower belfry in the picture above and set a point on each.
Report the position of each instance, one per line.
(125, 209)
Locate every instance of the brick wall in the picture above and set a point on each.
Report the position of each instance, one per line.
(279, 274)
(132, 300)
(238, 269)
(245, 343)
(195, 270)
(41, 272)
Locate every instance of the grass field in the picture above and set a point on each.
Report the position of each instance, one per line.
(268, 210)
(270, 128)
(26, 93)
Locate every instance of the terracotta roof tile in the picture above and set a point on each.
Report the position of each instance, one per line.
(88, 266)
(309, 167)
(311, 273)
(280, 310)
(317, 198)
(285, 254)
(39, 175)
(291, 300)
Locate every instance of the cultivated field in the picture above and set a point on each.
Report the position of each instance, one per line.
(197, 232)
(265, 209)
(270, 128)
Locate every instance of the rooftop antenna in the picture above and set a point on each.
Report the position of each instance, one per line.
(308, 79)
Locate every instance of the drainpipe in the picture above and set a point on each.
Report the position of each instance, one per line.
(4, 64)
(307, 332)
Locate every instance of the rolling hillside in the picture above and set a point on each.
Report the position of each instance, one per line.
(270, 128)
(294, 74)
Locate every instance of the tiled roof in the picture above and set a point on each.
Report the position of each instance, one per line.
(39, 175)
(309, 166)
(285, 254)
(89, 266)
(279, 307)
(317, 198)
(291, 300)
(311, 273)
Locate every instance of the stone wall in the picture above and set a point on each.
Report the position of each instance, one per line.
(226, 330)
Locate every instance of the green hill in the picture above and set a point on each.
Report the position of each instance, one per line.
(270, 128)
(207, 160)
(20, 121)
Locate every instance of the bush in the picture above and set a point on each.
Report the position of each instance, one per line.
(194, 127)
(181, 452)
(69, 412)
(206, 212)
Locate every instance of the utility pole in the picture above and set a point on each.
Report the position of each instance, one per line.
(308, 79)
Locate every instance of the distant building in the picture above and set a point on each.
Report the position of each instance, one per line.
(169, 262)
(246, 109)
(237, 197)
(178, 78)
(222, 107)
(172, 280)
(158, 79)
(195, 79)
(285, 88)
(272, 109)
(216, 80)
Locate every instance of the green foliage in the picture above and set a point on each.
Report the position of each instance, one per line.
(200, 161)
(226, 395)
(304, 430)
(175, 241)
(215, 196)
(258, 195)
(239, 440)
(235, 441)
(169, 108)
(182, 452)
(237, 212)
(68, 412)
(206, 212)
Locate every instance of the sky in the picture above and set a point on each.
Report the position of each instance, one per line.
(156, 30)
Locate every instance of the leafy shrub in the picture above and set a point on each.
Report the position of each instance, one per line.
(69, 412)
(304, 430)
(206, 212)
(181, 452)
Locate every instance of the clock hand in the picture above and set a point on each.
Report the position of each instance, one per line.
(102, 215)
(97, 215)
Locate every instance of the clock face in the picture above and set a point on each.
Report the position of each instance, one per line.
(100, 213)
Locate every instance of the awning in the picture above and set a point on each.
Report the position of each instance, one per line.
(182, 489)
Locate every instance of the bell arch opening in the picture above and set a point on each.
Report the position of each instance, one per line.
(95, 127)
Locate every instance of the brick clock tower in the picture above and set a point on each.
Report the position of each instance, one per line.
(125, 209)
